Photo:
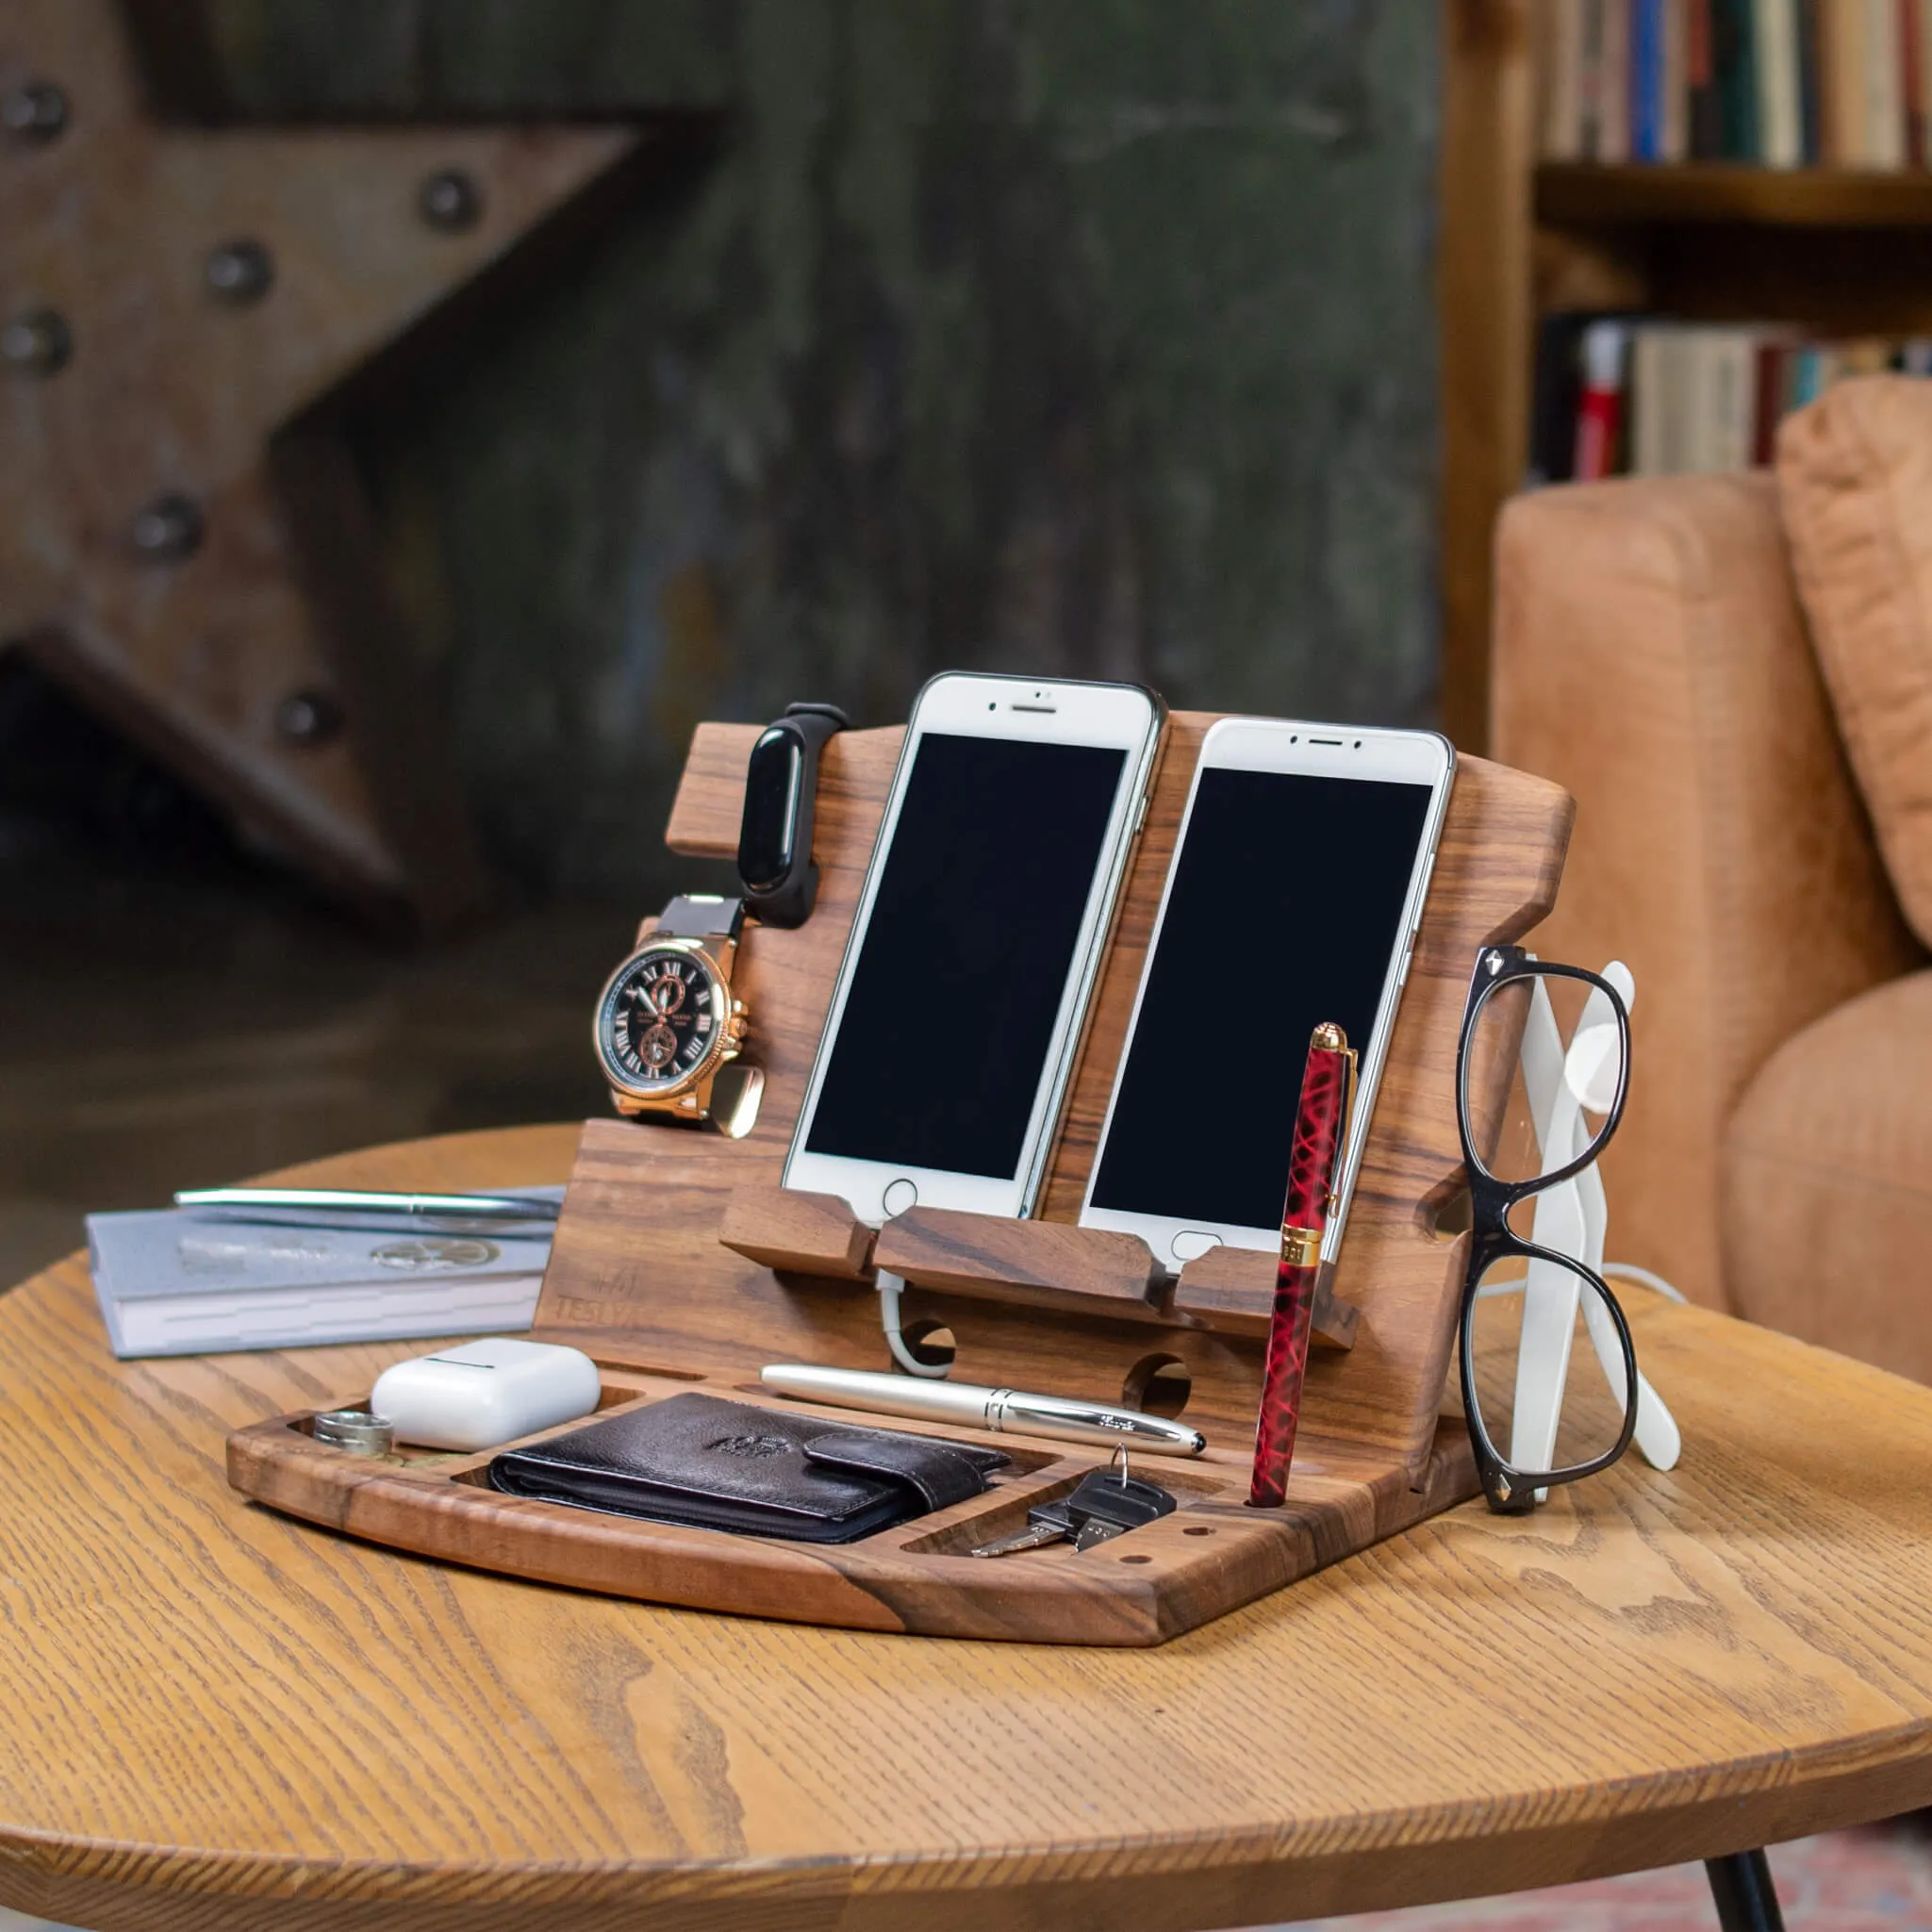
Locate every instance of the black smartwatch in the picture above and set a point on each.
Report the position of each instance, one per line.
(775, 835)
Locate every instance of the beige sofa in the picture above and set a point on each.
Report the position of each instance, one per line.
(1733, 674)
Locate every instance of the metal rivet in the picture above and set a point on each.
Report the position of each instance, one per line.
(308, 717)
(35, 110)
(239, 272)
(37, 344)
(168, 530)
(450, 200)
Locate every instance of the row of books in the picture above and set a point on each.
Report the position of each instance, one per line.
(1782, 83)
(1646, 396)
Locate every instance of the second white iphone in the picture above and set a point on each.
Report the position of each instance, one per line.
(1294, 894)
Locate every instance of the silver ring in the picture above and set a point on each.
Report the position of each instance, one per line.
(355, 1432)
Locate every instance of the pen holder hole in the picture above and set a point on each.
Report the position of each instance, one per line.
(931, 1344)
(1443, 1211)
(1158, 1384)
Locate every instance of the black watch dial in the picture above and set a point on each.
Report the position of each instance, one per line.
(662, 1013)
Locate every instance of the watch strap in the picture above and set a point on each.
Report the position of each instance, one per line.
(816, 722)
(700, 915)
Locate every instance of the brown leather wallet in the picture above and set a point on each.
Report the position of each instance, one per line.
(714, 1465)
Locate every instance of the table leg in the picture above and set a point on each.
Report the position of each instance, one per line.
(1746, 1898)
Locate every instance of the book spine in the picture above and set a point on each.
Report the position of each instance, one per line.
(1705, 105)
(1556, 393)
(1885, 107)
(1646, 402)
(1842, 81)
(1811, 105)
(1922, 49)
(1561, 48)
(1647, 80)
(1769, 378)
(1614, 103)
(1600, 408)
(1737, 77)
(1675, 143)
(1731, 373)
(1807, 383)
(1912, 81)
(1689, 401)
(1591, 66)
(1775, 47)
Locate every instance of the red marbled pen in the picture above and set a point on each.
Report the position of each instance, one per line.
(1315, 1170)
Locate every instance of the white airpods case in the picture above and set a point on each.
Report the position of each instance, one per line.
(481, 1394)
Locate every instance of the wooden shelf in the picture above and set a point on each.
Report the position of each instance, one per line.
(1590, 194)
(1829, 249)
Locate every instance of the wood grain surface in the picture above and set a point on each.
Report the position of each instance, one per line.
(789, 1228)
(218, 1719)
(1042, 1263)
(1232, 1289)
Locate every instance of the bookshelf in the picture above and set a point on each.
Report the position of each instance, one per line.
(1587, 193)
(1838, 252)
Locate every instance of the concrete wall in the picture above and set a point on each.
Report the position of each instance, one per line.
(1079, 336)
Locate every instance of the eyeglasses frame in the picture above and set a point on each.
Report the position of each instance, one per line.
(1508, 1490)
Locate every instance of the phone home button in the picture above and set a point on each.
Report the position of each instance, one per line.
(1192, 1242)
(898, 1196)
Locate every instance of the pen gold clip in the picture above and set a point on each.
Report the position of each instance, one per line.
(1334, 1197)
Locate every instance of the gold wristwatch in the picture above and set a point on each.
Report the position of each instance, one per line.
(669, 1032)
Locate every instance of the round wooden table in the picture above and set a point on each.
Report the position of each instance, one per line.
(215, 1717)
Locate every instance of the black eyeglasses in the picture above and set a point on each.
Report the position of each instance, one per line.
(1539, 1412)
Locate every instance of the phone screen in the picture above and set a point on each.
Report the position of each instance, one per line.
(952, 1004)
(1285, 910)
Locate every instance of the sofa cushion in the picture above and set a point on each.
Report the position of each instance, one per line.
(1854, 482)
(1826, 1183)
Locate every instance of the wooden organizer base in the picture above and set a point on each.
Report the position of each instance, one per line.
(1140, 1589)
(680, 1263)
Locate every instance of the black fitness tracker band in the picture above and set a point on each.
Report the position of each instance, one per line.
(775, 834)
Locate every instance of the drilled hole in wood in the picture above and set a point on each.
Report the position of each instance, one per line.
(931, 1344)
(1158, 1384)
(1197, 1530)
(1136, 1559)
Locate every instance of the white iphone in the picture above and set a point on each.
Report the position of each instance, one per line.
(973, 955)
(1294, 894)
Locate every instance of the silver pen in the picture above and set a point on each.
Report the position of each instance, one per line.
(340, 1207)
(1003, 1411)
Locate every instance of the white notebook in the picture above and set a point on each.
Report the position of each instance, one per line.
(178, 1283)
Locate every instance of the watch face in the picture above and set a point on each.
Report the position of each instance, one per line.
(662, 1015)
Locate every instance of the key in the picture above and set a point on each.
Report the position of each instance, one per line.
(1100, 1507)
(1047, 1523)
(1104, 1506)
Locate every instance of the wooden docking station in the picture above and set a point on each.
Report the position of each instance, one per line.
(680, 1263)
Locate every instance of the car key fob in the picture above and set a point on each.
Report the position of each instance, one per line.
(1104, 1506)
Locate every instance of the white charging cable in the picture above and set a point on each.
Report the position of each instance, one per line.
(890, 1286)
